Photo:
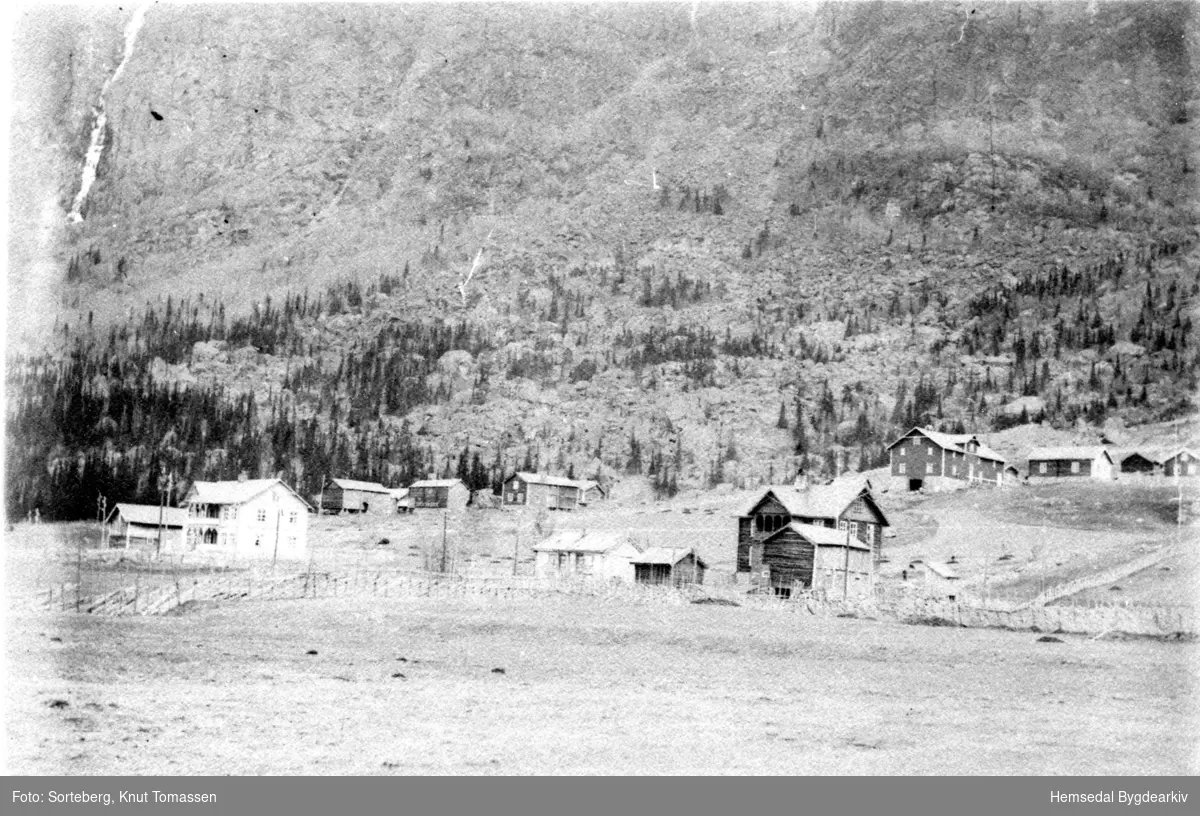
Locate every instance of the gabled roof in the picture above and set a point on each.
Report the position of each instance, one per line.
(822, 536)
(821, 501)
(667, 555)
(399, 493)
(585, 542)
(588, 484)
(1088, 452)
(1171, 456)
(149, 514)
(937, 568)
(953, 442)
(352, 484)
(541, 478)
(236, 492)
(437, 483)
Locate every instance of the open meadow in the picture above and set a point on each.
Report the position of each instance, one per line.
(571, 685)
(552, 682)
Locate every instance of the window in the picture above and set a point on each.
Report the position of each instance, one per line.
(293, 517)
(903, 450)
(771, 522)
(901, 467)
(1041, 467)
(1074, 467)
(929, 467)
(954, 470)
(262, 515)
(854, 529)
(931, 450)
(843, 525)
(291, 542)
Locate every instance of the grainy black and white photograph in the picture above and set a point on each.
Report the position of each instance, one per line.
(632, 388)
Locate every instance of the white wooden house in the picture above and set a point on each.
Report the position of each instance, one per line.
(577, 554)
(252, 518)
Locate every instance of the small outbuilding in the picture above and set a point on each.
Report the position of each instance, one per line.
(1181, 463)
(938, 579)
(402, 500)
(670, 567)
(439, 494)
(147, 526)
(1139, 463)
(353, 496)
(1071, 463)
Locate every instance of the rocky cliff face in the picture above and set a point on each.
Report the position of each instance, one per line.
(824, 189)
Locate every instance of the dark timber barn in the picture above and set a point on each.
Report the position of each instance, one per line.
(351, 496)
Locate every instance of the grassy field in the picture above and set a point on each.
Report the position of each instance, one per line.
(410, 686)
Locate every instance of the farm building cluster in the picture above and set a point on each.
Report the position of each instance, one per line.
(797, 537)
(928, 460)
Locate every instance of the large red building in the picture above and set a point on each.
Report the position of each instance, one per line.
(931, 460)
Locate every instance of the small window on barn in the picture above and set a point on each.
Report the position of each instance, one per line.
(293, 517)
(262, 515)
(901, 467)
(1074, 467)
(1041, 467)
(929, 467)
(903, 450)
(843, 525)
(954, 470)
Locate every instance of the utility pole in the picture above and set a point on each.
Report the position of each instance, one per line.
(516, 548)
(443, 564)
(846, 572)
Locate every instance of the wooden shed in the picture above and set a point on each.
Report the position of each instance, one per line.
(937, 579)
(673, 567)
(353, 496)
(439, 494)
(1092, 462)
(1139, 463)
(1181, 463)
(812, 557)
(147, 526)
(402, 500)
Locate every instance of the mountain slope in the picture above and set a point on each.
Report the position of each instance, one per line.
(703, 242)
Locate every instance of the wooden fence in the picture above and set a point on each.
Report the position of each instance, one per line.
(264, 584)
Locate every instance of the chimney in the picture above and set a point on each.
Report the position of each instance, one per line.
(431, 476)
(801, 481)
(243, 476)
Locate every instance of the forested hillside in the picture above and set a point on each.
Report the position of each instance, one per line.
(697, 244)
